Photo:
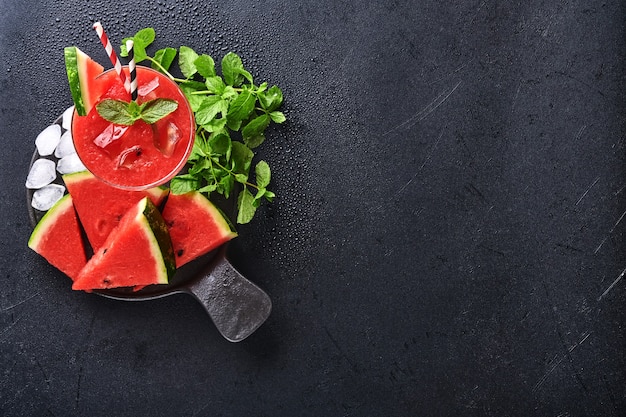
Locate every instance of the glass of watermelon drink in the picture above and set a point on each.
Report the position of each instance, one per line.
(142, 155)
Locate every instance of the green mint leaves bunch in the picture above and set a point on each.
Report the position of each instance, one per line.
(232, 113)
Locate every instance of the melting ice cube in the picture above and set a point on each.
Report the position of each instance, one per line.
(67, 118)
(65, 146)
(172, 137)
(128, 156)
(41, 173)
(70, 164)
(149, 87)
(48, 140)
(111, 133)
(46, 197)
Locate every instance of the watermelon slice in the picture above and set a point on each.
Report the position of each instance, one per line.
(57, 237)
(196, 226)
(82, 72)
(137, 252)
(100, 207)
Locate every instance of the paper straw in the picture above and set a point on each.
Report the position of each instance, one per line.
(132, 70)
(111, 53)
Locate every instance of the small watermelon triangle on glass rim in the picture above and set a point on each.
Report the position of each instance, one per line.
(100, 207)
(195, 225)
(82, 72)
(58, 238)
(137, 253)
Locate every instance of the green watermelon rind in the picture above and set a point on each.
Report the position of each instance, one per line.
(215, 214)
(211, 229)
(77, 177)
(159, 238)
(57, 237)
(76, 67)
(48, 220)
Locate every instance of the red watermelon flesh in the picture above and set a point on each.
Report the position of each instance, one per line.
(100, 207)
(195, 225)
(57, 237)
(138, 252)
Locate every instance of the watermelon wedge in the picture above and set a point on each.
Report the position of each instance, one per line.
(57, 237)
(82, 72)
(138, 252)
(196, 226)
(100, 207)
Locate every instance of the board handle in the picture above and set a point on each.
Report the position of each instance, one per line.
(236, 305)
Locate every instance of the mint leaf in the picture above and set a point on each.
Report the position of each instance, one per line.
(242, 157)
(254, 141)
(241, 178)
(154, 110)
(259, 195)
(229, 93)
(278, 117)
(253, 131)
(135, 109)
(226, 184)
(144, 37)
(205, 66)
(246, 75)
(208, 188)
(201, 165)
(115, 111)
(189, 88)
(209, 108)
(234, 125)
(220, 144)
(200, 149)
(215, 125)
(241, 107)
(182, 184)
(263, 174)
(245, 206)
(215, 85)
(164, 57)
(269, 196)
(141, 40)
(231, 69)
(271, 99)
(186, 59)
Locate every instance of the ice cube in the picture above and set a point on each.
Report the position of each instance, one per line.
(48, 140)
(46, 197)
(67, 118)
(70, 164)
(171, 139)
(111, 133)
(149, 87)
(65, 146)
(41, 174)
(128, 156)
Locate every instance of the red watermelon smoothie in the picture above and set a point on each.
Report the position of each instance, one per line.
(142, 155)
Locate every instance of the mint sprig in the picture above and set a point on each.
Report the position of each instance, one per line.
(127, 113)
(232, 114)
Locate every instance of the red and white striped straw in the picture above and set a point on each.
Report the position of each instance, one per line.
(111, 53)
(131, 69)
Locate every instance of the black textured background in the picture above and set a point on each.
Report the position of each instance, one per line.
(448, 238)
